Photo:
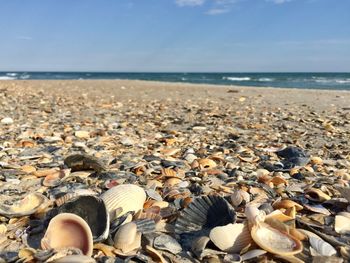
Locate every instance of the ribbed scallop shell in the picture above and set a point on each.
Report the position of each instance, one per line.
(68, 230)
(129, 197)
(231, 238)
(275, 241)
(204, 213)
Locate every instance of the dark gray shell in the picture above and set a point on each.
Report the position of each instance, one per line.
(203, 214)
(93, 210)
(81, 162)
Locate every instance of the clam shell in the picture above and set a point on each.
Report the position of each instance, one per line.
(204, 213)
(287, 204)
(127, 196)
(342, 223)
(239, 196)
(27, 206)
(231, 238)
(321, 247)
(81, 162)
(345, 192)
(68, 230)
(316, 195)
(75, 259)
(127, 238)
(275, 241)
(93, 210)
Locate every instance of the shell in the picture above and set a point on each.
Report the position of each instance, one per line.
(127, 196)
(93, 210)
(252, 254)
(206, 164)
(204, 213)
(342, 223)
(231, 238)
(345, 192)
(316, 195)
(81, 162)
(275, 241)
(54, 179)
(167, 243)
(239, 196)
(75, 258)
(321, 247)
(27, 206)
(278, 215)
(127, 238)
(68, 230)
(287, 204)
(253, 214)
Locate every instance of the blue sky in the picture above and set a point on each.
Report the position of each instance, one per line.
(175, 35)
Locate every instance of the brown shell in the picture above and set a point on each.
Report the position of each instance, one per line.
(287, 204)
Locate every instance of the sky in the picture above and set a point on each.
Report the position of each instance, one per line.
(175, 35)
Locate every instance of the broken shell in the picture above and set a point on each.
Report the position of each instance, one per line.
(252, 254)
(167, 243)
(239, 196)
(321, 247)
(68, 230)
(345, 192)
(27, 206)
(93, 210)
(54, 179)
(316, 195)
(342, 223)
(155, 255)
(278, 215)
(81, 162)
(206, 164)
(75, 259)
(204, 213)
(127, 238)
(129, 197)
(231, 238)
(275, 241)
(254, 215)
(287, 204)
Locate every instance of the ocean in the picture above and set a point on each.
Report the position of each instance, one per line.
(333, 81)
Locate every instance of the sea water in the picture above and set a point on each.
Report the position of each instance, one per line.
(334, 81)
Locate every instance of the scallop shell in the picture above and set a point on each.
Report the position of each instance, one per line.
(68, 230)
(275, 241)
(231, 238)
(127, 196)
(127, 238)
(27, 206)
(93, 210)
(316, 195)
(342, 223)
(204, 213)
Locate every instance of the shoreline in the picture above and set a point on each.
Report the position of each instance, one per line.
(121, 90)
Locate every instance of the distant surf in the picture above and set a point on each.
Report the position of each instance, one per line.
(338, 81)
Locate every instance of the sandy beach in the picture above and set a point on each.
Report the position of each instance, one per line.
(139, 128)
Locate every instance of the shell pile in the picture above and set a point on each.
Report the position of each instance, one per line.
(92, 173)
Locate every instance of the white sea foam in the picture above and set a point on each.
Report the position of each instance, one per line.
(11, 74)
(25, 76)
(343, 81)
(325, 80)
(6, 78)
(265, 79)
(237, 78)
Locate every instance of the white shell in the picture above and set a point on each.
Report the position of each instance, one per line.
(129, 197)
(342, 223)
(127, 238)
(253, 254)
(321, 247)
(231, 238)
(275, 241)
(239, 196)
(68, 230)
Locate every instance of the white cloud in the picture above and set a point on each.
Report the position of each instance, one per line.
(217, 11)
(279, 1)
(189, 2)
